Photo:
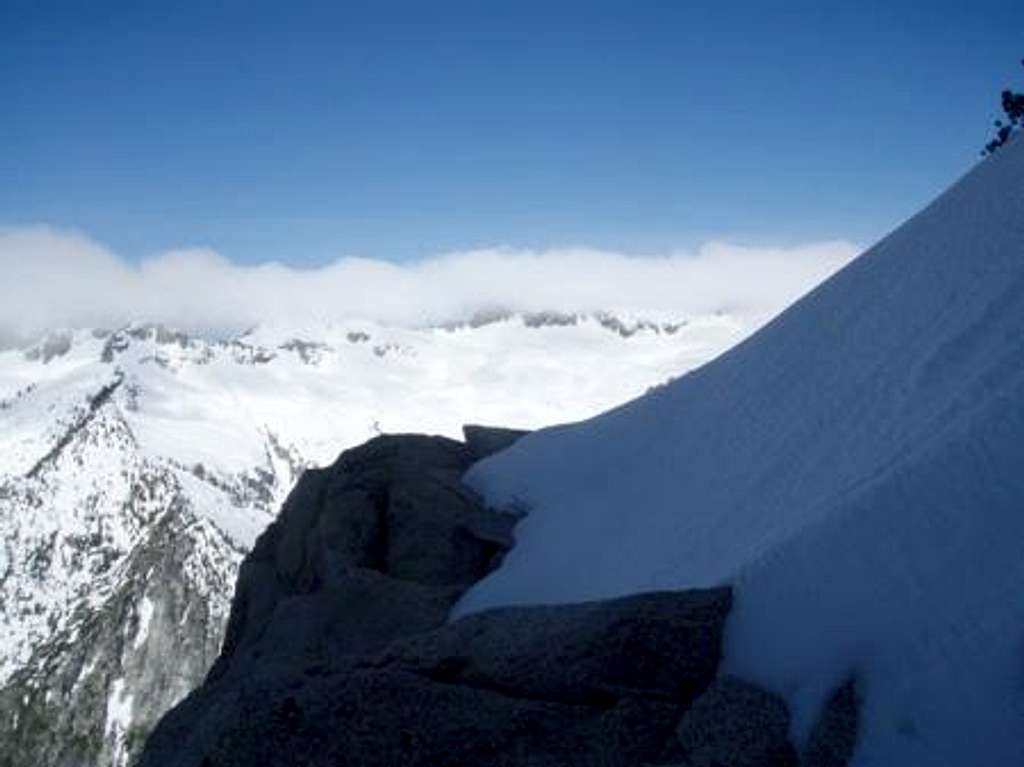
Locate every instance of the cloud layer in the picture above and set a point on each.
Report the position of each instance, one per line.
(51, 278)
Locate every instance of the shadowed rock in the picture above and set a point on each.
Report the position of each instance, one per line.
(379, 545)
(660, 645)
(337, 651)
(482, 441)
(588, 684)
(737, 724)
(834, 737)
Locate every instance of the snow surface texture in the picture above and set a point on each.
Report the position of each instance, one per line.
(854, 469)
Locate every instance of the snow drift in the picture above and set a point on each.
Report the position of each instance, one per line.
(854, 469)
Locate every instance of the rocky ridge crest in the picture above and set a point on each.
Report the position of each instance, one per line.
(338, 651)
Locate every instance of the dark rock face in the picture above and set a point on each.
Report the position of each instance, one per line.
(737, 724)
(337, 651)
(834, 737)
(483, 441)
(661, 645)
(592, 684)
(379, 545)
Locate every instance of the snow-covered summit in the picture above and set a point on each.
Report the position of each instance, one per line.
(854, 469)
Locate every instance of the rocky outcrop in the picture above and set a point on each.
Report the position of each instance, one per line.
(663, 646)
(834, 737)
(338, 651)
(378, 546)
(482, 441)
(738, 724)
(597, 684)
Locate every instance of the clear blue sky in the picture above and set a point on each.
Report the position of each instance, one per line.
(303, 132)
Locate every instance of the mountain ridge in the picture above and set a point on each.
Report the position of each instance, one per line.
(849, 468)
(114, 445)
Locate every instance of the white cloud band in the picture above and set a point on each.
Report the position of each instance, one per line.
(51, 278)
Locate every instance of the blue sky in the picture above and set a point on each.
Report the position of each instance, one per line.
(400, 130)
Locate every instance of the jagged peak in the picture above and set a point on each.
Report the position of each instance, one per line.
(625, 324)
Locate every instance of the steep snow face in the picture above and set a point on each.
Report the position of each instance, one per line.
(854, 469)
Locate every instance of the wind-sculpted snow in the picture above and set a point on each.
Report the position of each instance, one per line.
(137, 466)
(853, 470)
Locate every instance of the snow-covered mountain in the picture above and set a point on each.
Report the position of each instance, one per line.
(137, 467)
(853, 469)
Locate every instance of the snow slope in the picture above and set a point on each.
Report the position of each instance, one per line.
(854, 469)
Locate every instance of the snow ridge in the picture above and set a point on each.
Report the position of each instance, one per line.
(853, 469)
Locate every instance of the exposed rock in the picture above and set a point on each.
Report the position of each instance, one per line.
(596, 684)
(636, 729)
(310, 352)
(337, 652)
(118, 583)
(115, 344)
(91, 694)
(834, 737)
(55, 344)
(737, 724)
(483, 441)
(661, 645)
(385, 541)
(550, 319)
(84, 417)
(347, 714)
(245, 353)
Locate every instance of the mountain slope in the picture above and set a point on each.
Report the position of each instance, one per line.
(853, 469)
(137, 467)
